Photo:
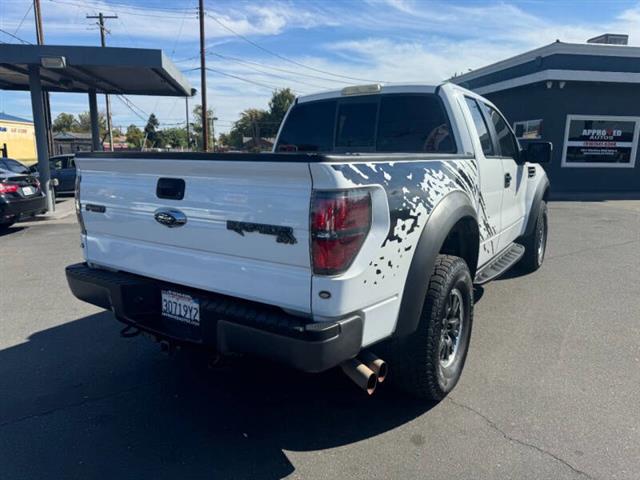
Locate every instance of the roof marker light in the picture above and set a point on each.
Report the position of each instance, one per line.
(362, 89)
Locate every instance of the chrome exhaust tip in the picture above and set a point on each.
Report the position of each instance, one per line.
(377, 365)
(360, 374)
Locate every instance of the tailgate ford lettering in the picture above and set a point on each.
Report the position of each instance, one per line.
(283, 234)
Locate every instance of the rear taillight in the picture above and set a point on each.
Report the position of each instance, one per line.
(340, 222)
(79, 205)
(8, 188)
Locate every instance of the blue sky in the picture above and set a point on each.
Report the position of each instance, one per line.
(373, 40)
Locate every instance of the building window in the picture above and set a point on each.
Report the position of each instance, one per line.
(528, 129)
(600, 141)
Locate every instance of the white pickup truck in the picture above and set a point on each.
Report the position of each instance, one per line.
(356, 242)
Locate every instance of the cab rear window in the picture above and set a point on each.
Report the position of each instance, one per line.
(400, 123)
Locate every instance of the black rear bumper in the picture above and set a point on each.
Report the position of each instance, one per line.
(12, 209)
(227, 324)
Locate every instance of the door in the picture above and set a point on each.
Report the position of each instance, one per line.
(491, 182)
(64, 169)
(513, 207)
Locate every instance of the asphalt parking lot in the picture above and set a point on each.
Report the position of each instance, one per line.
(550, 390)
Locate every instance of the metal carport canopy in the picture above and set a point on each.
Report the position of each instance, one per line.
(91, 70)
(133, 71)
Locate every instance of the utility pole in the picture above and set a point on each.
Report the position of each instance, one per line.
(101, 18)
(47, 105)
(186, 111)
(38, 15)
(203, 80)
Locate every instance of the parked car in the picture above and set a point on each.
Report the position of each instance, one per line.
(20, 196)
(63, 169)
(358, 248)
(12, 165)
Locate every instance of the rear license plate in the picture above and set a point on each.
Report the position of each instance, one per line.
(28, 190)
(181, 307)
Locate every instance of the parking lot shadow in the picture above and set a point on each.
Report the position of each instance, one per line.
(10, 230)
(78, 401)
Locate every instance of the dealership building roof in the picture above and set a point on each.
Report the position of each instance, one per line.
(558, 61)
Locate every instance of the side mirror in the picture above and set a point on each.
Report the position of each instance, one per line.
(538, 152)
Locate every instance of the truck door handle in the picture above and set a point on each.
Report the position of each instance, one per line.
(507, 180)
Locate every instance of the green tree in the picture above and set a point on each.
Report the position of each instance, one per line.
(279, 104)
(175, 137)
(151, 131)
(251, 124)
(256, 123)
(223, 139)
(64, 122)
(83, 125)
(197, 125)
(135, 136)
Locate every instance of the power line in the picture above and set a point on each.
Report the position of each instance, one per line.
(268, 73)
(260, 84)
(16, 37)
(129, 9)
(317, 77)
(134, 108)
(23, 18)
(282, 57)
(151, 7)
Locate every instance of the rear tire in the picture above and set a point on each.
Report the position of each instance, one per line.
(535, 244)
(428, 363)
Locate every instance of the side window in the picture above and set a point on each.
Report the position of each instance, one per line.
(71, 163)
(55, 163)
(481, 127)
(413, 123)
(309, 128)
(506, 139)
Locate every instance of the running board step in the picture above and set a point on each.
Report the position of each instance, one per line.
(505, 260)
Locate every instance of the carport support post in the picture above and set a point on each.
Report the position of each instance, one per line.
(40, 127)
(95, 126)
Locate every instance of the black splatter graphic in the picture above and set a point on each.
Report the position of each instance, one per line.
(413, 189)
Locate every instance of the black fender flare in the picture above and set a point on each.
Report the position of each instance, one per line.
(449, 211)
(541, 191)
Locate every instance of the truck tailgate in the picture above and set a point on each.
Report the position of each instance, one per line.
(235, 238)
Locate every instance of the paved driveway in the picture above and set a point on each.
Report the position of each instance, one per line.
(550, 389)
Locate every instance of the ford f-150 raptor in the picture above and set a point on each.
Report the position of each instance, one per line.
(356, 242)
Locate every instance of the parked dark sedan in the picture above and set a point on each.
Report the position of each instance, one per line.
(20, 196)
(15, 166)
